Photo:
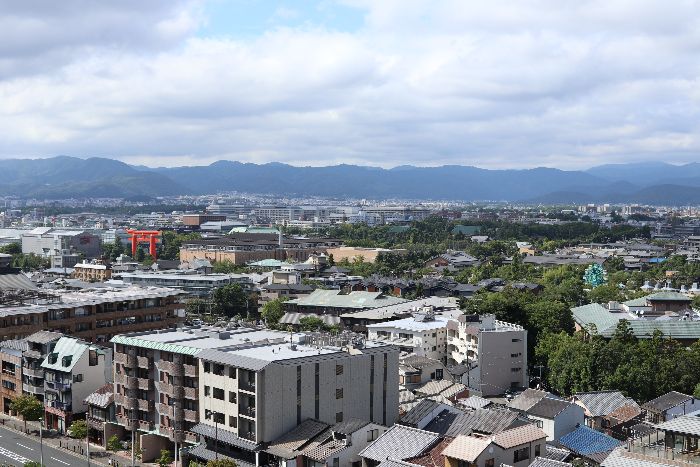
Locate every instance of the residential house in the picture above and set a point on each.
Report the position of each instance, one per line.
(589, 444)
(399, 443)
(424, 334)
(73, 370)
(669, 406)
(600, 406)
(516, 447)
(10, 373)
(100, 416)
(39, 345)
(555, 416)
(416, 370)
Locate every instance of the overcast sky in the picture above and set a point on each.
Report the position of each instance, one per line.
(497, 84)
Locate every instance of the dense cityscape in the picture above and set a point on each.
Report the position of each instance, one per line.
(333, 332)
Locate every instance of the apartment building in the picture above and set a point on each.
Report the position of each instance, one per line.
(10, 373)
(38, 346)
(249, 386)
(494, 352)
(91, 272)
(72, 371)
(423, 334)
(92, 314)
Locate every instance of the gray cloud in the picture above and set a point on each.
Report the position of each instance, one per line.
(493, 84)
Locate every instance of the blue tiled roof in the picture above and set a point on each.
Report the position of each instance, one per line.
(585, 441)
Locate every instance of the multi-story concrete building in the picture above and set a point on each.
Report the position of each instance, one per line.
(10, 374)
(238, 388)
(48, 241)
(92, 314)
(194, 284)
(38, 346)
(495, 353)
(241, 248)
(423, 334)
(72, 371)
(92, 272)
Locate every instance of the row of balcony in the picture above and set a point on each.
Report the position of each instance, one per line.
(176, 369)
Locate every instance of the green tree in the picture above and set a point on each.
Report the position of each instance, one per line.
(11, 249)
(696, 391)
(195, 306)
(31, 464)
(114, 443)
(29, 407)
(273, 311)
(222, 463)
(606, 293)
(140, 255)
(226, 267)
(311, 323)
(165, 458)
(231, 300)
(78, 429)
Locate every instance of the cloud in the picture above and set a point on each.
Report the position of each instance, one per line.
(494, 84)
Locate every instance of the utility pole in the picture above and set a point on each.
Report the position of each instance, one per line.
(87, 441)
(41, 440)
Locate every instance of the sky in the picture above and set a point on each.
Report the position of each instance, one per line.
(496, 84)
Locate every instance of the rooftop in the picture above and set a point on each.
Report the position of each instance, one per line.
(355, 299)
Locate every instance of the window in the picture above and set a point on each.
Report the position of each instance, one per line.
(207, 415)
(232, 397)
(218, 369)
(339, 369)
(372, 435)
(232, 421)
(207, 367)
(516, 369)
(336, 462)
(232, 372)
(537, 450)
(517, 340)
(539, 423)
(515, 355)
(338, 417)
(207, 390)
(521, 454)
(219, 394)
(438, 374)
(78, 378)
(490, 462)
(339, 393)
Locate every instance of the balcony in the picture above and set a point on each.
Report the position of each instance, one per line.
(66, 407)
(143, 362)
(191, 415)
(190, 370)
(248, 386)
(33, 372)
(58, 386)
(120, 358)
(167, 410)
(248, 412)
(249, 435)
(31, 389)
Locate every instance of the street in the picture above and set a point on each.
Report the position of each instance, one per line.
(16, 449)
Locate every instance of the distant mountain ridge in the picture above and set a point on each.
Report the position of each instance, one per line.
(65, 177)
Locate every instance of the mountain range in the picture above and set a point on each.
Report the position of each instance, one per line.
(71, 177)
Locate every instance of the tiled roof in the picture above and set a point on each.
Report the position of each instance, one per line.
(419, 361)
(586, 441)
(466, 448)
(619, 458)
(527, 399)
(520, 435)
(548, 408)
(336, 299)
(43, 337)
(434, 387)
(287, 445)
(424, 408)
(224, 436)
(674, 329)
(102, 397)
(625, 413)
(324, 446)
(600, 403)
(15, 344)
(434, 457)
(400, 442)
(475, 402)
(396, 463)
(486, 421)
(686, 424)
(554, 453)
(667, 401)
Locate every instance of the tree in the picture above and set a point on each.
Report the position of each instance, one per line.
(78, 429)
(311, 323)
(32, 464)
(140, 255)
(165, 459)
(226, 267)
(696, 392)
(114, 443)
(230, 300)
(606, 293)
(29, 407)
(195, 306)
(273, 311)
(222, 463)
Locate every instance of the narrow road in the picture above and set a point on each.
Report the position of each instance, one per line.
(16, 449)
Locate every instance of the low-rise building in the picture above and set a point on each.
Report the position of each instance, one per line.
(91, 272)
(555, 416)
(669, 406)
(10, 373)
(424, 334)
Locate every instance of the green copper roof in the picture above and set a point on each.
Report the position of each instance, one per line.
(146, 344)
(641, 301)
(597, 315)
(671, 329)
(673, 296)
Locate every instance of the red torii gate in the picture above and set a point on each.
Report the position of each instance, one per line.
(142, 236)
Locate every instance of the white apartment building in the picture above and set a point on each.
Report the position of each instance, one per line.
(423, 334)
(495, 353)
